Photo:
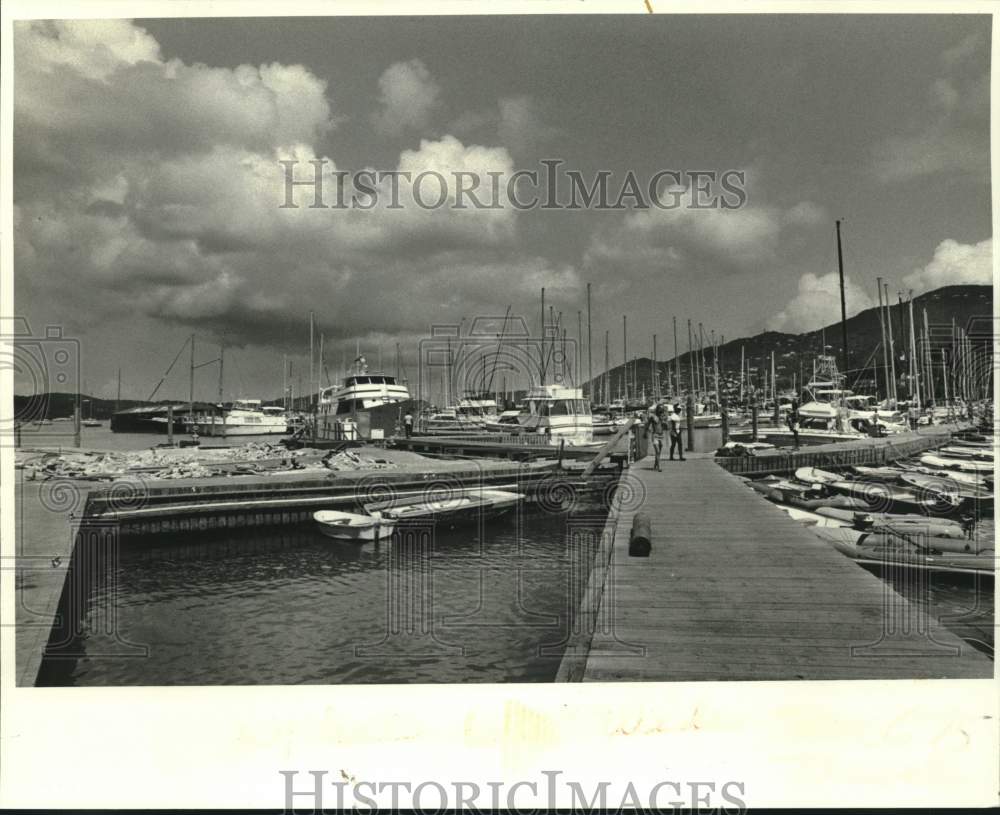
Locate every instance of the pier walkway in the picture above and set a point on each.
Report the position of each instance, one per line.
(736, 589)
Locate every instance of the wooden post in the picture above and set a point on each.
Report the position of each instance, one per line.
(725, 421)
(690, 423)
(170, 425)
(76, 424)
(753, 421)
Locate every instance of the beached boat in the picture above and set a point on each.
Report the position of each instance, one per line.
(351, 527)
(451, 507)
(955, 490)
(975, 453)
(812, 518)
(906, 524)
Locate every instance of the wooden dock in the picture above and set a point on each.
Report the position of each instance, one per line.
(734, 589)
(874, 452)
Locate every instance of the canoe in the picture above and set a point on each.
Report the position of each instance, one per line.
(813, 475)
(456, 506)
(963, 465)
(351, 527)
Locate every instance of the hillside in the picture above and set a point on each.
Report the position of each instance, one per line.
(970, 306)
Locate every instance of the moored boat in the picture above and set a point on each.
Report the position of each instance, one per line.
(450, 507)
(352, 527)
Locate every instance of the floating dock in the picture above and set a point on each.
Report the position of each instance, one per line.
(68, 529)
(734, 589)
(873, 452)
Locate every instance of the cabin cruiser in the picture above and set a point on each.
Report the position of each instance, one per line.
(244, 417)
(365, 405)
(558, 412)
(473, 413)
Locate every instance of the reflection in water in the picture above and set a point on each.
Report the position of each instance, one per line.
(288, 605)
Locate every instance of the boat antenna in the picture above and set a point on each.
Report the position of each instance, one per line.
(169, 369)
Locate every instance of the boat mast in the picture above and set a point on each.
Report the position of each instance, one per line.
(579, 350)
(625, 352)
(191, 381)
(892, 346)
(885, 347)
(843, 304)
(312, 353)
(652, 371)
(590, 356)
(542, 352)
(929, 379)
(677, 362)
(742, 358)
(915, 370)
(607, 370)
(222, 354)
(118, 398)
(690, 359)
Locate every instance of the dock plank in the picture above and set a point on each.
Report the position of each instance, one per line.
(736, 589)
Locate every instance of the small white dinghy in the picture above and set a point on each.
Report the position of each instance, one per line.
(813, 475)
(351, 527)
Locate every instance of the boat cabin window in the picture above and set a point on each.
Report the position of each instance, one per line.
(362, 380)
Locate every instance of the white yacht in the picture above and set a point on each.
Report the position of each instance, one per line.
(473, 413)
(362, 391)
(244, 417)
(558, 412)
(823, 397)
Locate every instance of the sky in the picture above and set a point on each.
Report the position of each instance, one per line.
(148, 191)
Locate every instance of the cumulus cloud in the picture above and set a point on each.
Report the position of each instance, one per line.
(714, 240)
(408, 96)
(817, 303)
(952, 132)
(153, 187)
(516, 122)
(954, 263)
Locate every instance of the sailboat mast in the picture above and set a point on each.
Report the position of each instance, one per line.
(191, 381)
(892, 346)
(222, 357)
(118, 398)
(652, 372)
(914, 368)
(691, 387)
(607, 369)
(930, 362)
(542, 347)
(885, 345)
(625, 351)
(677, 362)
(590, 355)
(843, 303)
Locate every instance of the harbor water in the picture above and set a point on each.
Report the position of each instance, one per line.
(288, 605)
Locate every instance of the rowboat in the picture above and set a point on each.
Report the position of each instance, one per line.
(813, 475)
(352, 527)
(886, 474)
(452, 507)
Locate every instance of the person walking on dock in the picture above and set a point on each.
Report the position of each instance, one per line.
(654, 430)
(793, 422)
(408, 424)
(674, 423)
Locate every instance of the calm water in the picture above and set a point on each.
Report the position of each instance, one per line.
(287, 605)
